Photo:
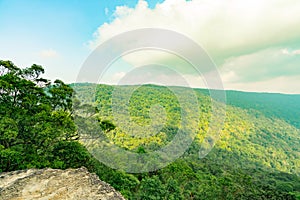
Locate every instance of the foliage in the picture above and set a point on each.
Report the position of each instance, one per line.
(282, 106)
(35, 120)
(257, 156)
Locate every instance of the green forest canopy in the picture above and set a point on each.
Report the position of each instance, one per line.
(257, 156)
(254, 142)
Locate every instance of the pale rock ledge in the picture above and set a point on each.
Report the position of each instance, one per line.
(54, 184)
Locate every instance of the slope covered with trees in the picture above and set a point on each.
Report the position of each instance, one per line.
(257, 156)
(36, 124)
(282, 106)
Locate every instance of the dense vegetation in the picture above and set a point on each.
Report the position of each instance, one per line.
(285, 107)
(257, 156)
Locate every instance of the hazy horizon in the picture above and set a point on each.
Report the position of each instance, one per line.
(201, 88)
(254, 45)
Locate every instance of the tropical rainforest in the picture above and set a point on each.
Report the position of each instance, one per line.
(48, 124)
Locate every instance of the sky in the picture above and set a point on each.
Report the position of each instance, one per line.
(255, 45)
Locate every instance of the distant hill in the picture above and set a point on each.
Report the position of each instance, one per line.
(282, 106)
(257, 156)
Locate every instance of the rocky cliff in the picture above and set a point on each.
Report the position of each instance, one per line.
(50, 184)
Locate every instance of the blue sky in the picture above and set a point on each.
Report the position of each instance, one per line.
(256, 45)
(53, 33)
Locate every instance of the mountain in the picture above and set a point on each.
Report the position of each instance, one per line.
(282, 106)
(256, 156)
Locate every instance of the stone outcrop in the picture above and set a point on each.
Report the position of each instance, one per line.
(50, 184)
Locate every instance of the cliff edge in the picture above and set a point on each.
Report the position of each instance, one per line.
(50, 184)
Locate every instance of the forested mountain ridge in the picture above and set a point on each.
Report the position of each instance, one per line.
(282, 106)
(256, 157)
(263, 144)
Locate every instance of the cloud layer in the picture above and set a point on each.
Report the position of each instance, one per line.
(252, 42)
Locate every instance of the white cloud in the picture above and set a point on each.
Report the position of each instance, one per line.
(262, 65)
(48, 53)
(251, 41)
(117, 76)
(106, 11)
(112, 78)
(279, 84)
(159, 57)
(224, 28)
(296, 52)
(285, 51)
(288, 52)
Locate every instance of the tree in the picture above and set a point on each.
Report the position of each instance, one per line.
(173, 190)
(35, 117)
(106, 125)
(152, 188)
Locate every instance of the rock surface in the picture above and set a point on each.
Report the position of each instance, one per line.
(50, 184)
